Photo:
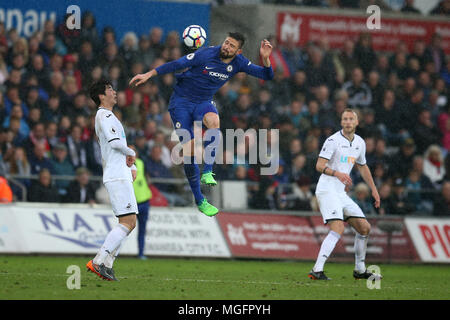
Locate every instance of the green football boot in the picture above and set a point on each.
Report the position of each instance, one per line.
(207, 208)
(208, 179)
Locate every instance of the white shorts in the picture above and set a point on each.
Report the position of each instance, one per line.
(337, 206)
(121, 195)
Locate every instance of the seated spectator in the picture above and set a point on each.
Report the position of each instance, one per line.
(359, 93)
(157, 169)
(385, 193)
(42, 190)
(418, 187)
(442, 201)
(362, 198)
(401, 161)
(302, 195)
(398, 201)
(81, 190)
(39, 160)
(76, 147)
(433, 164)
(61, 166)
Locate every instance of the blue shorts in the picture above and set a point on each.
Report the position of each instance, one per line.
(184, 112)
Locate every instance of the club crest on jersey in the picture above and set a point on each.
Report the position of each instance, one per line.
(178, 125)
(229, 68)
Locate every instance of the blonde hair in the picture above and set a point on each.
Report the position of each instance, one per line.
(434, 148)
(356, 112)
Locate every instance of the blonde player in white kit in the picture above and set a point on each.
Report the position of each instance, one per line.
(119, 173)
(339, 153)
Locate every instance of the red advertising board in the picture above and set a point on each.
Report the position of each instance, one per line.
(300, 237)
(304, 27)
(269, 236)
(401, 247)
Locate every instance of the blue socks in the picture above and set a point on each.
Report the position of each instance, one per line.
(193, 175)
(210, 144)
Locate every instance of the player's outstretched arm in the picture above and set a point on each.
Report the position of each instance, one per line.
(265, 51)
(143, 77)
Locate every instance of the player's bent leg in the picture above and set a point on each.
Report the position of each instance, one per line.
(128, 220)
(212, 141)
(362, 227)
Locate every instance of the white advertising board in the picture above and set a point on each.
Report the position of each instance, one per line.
(431, 238)
(43, 228)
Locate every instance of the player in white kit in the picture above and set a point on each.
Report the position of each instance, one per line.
(119, 173)
(339, 154)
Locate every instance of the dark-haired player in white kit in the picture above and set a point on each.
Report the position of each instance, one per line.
(336, 159)
(119, 172)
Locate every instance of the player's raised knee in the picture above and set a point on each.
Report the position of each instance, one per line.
(365, 229)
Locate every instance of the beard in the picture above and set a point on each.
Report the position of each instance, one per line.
(224, 55)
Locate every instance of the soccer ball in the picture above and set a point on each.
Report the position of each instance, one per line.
(194, 36)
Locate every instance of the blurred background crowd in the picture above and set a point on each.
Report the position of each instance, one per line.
(402, 98)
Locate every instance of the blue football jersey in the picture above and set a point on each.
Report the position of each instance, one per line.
(206, 72)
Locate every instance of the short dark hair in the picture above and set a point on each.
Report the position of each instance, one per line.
(97, 89)
(237, 36)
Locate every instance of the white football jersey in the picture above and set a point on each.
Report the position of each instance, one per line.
(341, 154)
(108, 128)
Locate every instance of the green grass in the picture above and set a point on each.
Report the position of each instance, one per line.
(44, 277)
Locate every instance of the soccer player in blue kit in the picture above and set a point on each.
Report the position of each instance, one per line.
(208, 69)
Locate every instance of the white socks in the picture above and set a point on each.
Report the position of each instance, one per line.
(112, 243)
(326, 249)
(360, 252)
(109, 260)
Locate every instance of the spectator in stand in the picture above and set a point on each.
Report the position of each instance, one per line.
(362, 198)
(61, 166)
(435, 53)
(346, 60)
(38, 159)
(401, 161)
(442, 8)
(364, 53)
(88, 29)
(442, 201)
(425, 132)
(385, 193)
(398, 201)
(433, 165)
(77, 149)
(409, 7)
(157, 169)
(42, 190)
(360, 95)
(81, 190)
(419, 187)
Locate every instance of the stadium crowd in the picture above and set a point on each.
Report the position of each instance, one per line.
(402, 98)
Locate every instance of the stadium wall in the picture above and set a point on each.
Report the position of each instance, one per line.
(124, 16)
(36, 228)
(308, 23)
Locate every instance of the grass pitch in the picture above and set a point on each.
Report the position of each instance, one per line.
(45, 277)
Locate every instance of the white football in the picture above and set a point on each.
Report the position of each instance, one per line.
(194, 36)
